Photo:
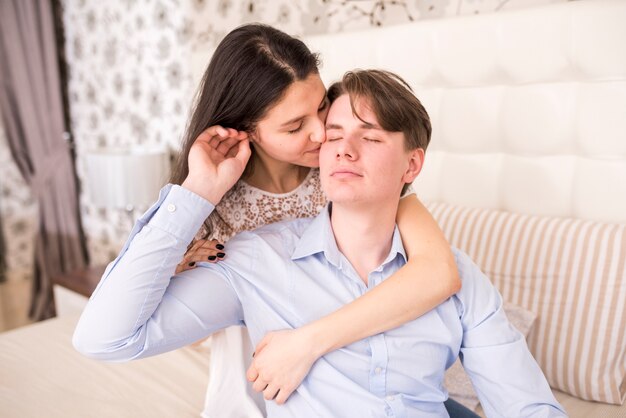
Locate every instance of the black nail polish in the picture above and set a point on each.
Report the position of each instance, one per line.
(219, 246)
(212, 257)
(193, 263)
(220, 255)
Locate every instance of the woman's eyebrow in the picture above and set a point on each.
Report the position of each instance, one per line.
(292, 121)
(333, 126)
(298, 118)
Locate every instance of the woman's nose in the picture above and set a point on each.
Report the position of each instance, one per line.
(318, 134)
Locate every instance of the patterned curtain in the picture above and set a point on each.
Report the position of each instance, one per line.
(31, 105)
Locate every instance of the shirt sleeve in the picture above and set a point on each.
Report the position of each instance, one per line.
(506, 377)
(140, 308)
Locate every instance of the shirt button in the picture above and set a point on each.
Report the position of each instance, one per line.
(390, 398)
(171, 207)
(378, 370)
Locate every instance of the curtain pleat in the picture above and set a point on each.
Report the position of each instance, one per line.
(32, 112)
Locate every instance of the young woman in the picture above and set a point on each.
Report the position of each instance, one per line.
(264, 86)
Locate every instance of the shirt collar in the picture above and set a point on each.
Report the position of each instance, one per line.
(318, 237)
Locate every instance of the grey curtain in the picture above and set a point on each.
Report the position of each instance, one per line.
(32, 112)
(3, 264)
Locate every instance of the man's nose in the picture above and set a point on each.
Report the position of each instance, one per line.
(346, 149)
(318, 134)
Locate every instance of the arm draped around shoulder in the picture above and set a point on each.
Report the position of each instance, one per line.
(429, 278)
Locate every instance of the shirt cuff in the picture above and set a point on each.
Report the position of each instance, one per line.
(181, 213)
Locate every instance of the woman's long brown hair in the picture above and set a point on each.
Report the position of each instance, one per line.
(249, 72)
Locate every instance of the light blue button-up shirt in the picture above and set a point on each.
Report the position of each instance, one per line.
(291, 273)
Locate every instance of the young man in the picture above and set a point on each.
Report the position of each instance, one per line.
(285, 275)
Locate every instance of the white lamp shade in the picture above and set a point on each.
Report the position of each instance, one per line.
(126, 179)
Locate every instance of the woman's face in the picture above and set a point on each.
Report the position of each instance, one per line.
(293, 130)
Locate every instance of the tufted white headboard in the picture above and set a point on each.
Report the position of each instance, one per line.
(528, 107)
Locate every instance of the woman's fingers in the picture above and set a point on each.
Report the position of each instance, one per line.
(227, 144)
(243, 151)
(259, 385)
(182, 267)
(270, 392)
(252, 374)
(217, 141)
(211, 132)
(263, 343)
(282, 395)
(210, 251)
(201, 250)
(214, 135)
(221, 139)
(209, 255)
(196, 245)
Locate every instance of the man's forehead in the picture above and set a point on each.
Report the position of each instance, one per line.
(359, 107)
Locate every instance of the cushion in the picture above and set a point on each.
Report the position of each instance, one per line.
(458, 383)
(572, 274)
(577, 408)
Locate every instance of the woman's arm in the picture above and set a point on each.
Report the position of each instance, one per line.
(430, 277)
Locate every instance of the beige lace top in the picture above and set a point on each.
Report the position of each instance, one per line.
(245, 207)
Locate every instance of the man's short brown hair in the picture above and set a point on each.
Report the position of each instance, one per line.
(391, 99)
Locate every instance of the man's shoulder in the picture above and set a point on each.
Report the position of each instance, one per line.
(478, 297)
(473, 279)
(263, 251)
(280, 232)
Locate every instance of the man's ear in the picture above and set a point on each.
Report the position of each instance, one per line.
(416, 162)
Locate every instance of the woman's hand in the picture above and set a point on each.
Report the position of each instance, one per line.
(216, 160)
(202, 250)
(281, 361)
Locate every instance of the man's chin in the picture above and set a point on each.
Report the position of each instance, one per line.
(345, 197)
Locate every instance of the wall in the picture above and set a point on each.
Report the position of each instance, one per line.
(130, 81)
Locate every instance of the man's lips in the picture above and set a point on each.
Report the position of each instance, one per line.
(314, 150)
(344, 173)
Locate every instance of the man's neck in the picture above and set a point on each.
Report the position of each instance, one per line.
(364, 234)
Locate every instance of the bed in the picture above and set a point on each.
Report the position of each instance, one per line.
(526, 172)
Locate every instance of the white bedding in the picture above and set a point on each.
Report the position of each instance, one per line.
(42, 375)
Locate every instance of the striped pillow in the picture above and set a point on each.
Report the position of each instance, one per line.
(572, 274)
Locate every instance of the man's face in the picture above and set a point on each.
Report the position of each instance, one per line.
(360, 162)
